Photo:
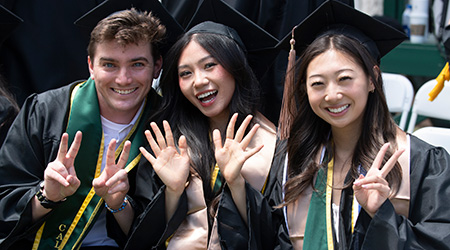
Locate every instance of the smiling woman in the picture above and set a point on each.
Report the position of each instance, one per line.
(210, 107)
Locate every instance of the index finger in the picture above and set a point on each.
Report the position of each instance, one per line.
(62, 151)
(391, 163)
(380, 156)
(111, 153)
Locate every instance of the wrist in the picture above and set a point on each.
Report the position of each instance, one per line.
(44, 201)
(122, 206)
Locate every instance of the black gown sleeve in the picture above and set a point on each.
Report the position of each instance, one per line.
(150, 229)
(428, 223)
(32, 142)
(266, 227)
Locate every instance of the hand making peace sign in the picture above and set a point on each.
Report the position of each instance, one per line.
(60, 178)
(112, 184)
(372, 190)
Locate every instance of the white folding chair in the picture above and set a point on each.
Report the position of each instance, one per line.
(399, 93)
(435, 135)
(439, 108)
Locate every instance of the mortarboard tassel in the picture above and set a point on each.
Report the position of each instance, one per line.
(441, 78)
(288, 105)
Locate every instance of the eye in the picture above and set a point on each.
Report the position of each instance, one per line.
(108, 65)
(344, 78)
(316, 83)
(138, 64)
(210, 64)
(184, 73)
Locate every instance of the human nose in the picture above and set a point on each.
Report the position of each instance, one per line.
(333, 93)
(200, 79)
(124, 76)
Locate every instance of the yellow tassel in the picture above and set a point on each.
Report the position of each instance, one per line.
(441, 78)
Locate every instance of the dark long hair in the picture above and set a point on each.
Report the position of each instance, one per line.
(9, 112)
(185, 119)
(309, 132)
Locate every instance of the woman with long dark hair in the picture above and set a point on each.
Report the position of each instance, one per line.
(213, 137)
(351, 179)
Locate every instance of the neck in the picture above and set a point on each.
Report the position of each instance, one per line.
(219, 122)
(344, 146)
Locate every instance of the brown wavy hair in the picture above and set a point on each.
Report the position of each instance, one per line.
(129, 27)
(309, 133)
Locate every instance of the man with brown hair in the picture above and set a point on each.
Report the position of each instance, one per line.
(54, 187)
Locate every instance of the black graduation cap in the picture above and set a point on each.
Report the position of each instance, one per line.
(8, 22)
(173, 29)
(210, 17)
(339, 18)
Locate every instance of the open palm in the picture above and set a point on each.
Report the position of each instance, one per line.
(171, 165)
(232, 155)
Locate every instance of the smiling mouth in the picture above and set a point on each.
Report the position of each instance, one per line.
(338, 110)
(207, 96)
(125, 91)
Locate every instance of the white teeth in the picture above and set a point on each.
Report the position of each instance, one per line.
(124, 92)
(206, 94)
(338, 110)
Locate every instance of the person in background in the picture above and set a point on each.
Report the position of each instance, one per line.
(60, 153)
(8, 110)
(211, 126)
(8, 103)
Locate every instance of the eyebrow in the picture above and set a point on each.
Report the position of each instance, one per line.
(199, 61)
(337, 73)
(132, 60)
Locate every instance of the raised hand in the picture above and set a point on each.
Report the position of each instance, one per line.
(372, 190)
(60, 178)
(112, 184)
(231, 156)
(171, 165)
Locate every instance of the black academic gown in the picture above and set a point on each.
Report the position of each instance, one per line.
(47, 50)
(32, 142)
(151, 229)
(427, 226)
(266, 228)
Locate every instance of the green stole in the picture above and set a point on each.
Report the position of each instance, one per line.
(319, 225)
(316, 223)
(67, 225)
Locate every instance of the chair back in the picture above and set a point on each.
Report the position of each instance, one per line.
(436, 136)
(399, 92)
(439, 108)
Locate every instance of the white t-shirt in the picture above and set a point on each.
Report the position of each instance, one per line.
(98, 236)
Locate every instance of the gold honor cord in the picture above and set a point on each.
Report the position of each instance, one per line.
(214, 175)
(329, 191)
(86, 202)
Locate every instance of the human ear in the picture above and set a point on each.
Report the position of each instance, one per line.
(91, 67)
(377, 74)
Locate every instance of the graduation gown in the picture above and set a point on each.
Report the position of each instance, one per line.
(151, 230)
(33, 142)
(427, 225)
(189, 225)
